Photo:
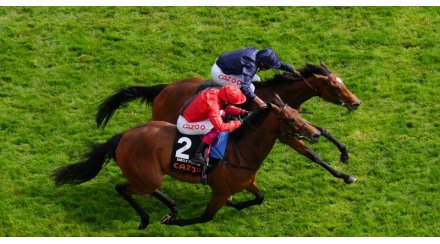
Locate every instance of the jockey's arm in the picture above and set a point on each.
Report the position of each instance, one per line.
(217, 122)
(286, 67)
(232, 110)
(289, 68)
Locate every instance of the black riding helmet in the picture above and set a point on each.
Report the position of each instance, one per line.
(269, 58)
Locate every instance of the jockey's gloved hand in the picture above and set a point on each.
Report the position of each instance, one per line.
(230, 117)
(245, 113)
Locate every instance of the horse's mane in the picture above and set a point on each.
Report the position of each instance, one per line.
(252, 121)
(307, 71)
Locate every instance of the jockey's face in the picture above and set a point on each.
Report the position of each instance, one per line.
(263, 67)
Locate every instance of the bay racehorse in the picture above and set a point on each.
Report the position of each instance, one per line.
(143, 155)
(167, 99)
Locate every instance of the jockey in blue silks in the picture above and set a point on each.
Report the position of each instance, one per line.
(239, 67)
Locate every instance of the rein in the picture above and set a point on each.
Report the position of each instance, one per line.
(308, 83)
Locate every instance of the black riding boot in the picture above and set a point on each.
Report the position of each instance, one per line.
(198, 155)
(199, 159)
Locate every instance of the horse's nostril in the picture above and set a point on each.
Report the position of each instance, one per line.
(315, 136)
(355, 105)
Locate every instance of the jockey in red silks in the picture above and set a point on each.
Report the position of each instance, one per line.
(203, 115)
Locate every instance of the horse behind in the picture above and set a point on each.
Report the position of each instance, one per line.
(143, 155)
(167, 99)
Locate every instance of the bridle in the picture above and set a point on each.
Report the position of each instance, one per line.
(294, 134)
(329, 77)
(310, 85)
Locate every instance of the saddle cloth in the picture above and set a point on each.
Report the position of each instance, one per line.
(184, 147)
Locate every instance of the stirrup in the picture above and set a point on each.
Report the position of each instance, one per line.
(204, 177)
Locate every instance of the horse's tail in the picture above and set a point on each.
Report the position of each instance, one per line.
(92, 164)
(123, 96)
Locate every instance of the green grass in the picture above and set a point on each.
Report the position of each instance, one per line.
(58, 64)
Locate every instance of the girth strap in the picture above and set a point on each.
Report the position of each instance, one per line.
(238, 166)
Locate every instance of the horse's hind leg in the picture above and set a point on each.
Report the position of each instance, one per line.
(124, 191)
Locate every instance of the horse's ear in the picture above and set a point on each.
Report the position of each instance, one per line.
(272, 106)
(322, 64)
(278, 97)
(320, 76)
(276, 100)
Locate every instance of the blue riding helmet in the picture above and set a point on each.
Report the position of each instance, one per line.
(269, 57)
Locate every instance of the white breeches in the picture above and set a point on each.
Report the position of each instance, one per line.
(193, 128)
(218, 75)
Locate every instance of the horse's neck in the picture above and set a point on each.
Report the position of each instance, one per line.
(253, 148)
(294, 93)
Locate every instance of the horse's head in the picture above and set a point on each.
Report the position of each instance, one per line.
(291, 122)
(332, 89)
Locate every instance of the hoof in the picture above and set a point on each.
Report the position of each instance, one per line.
(167, 220)
(350, 180)
(143, 224)
(230, 202)
(344, 158)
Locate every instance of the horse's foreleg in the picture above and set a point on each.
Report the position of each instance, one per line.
(342, 147)
(259, 198)
(123, 190)
(216, 202)
(168, 202)
(302, 148)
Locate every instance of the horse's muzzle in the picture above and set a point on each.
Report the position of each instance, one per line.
(354, 105)
(315, 137)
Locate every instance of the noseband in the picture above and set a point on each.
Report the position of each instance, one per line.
(294, 134)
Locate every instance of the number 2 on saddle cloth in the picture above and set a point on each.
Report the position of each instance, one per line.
(184, 147)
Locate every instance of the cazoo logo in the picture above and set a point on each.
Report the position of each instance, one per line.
(230, 79)
(194, 127)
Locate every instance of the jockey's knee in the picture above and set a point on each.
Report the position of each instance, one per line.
(209, 137)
